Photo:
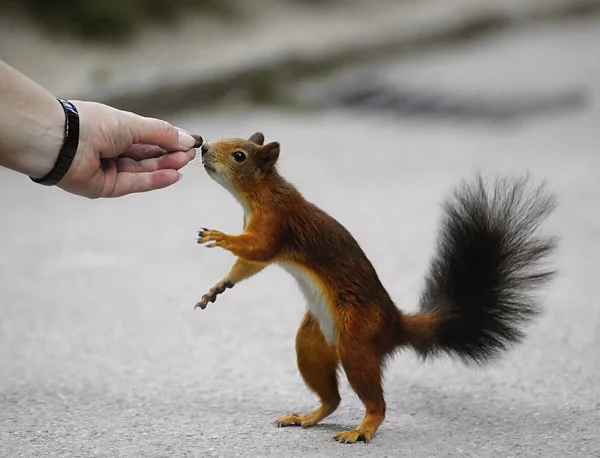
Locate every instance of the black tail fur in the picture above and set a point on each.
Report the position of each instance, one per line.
(482, 281)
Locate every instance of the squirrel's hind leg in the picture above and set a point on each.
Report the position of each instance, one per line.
(318, 364)
(363, 368)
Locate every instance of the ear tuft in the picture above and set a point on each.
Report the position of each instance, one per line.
(268, 155)
(257, 138)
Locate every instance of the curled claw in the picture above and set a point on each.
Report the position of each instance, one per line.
(201, 234)
(211, 296)
(202, 304)
(209, 235)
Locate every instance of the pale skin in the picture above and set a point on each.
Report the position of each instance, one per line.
(119, 152)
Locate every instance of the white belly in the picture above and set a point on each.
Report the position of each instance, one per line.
(316, 302)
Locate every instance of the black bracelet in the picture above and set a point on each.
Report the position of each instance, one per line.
(68, 148)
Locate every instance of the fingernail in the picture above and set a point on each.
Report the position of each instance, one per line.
(186, 140)
(180, 176)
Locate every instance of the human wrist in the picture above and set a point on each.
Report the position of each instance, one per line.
(47, 139)
(68, 147)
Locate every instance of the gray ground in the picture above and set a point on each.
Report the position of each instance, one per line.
(102, 354)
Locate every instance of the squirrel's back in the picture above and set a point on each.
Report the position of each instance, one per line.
(322, 244)
(333, 271)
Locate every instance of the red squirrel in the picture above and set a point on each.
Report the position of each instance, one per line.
(477, 297)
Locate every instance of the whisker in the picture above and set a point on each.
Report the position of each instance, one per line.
(196, 161)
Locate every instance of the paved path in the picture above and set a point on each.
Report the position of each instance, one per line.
(101, 353)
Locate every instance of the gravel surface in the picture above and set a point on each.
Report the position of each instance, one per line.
(102, 354)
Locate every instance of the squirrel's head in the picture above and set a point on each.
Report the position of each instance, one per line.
(239, 164)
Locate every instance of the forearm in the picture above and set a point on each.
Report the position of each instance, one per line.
(247, 246)
(32, 124)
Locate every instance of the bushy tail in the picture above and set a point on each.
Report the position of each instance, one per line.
(479, 292)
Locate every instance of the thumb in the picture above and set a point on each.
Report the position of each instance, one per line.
(151, 131)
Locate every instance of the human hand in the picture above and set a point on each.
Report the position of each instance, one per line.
(120, 153)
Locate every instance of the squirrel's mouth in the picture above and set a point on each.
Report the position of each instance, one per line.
(209, 168)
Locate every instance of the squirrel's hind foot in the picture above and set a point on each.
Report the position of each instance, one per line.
(365, 431)
(354, 435)
(310, 419)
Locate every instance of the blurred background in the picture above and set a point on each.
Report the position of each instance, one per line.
(156, 56)
(381, 107)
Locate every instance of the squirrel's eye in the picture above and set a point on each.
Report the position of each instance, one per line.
(239, 156)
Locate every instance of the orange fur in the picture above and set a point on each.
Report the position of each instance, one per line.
(318, 364)
(282, 227)
(351, 321)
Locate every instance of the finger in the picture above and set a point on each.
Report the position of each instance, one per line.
(173, 161)
(191, 153)
(157, 132)
(129, 183)
(140, 152)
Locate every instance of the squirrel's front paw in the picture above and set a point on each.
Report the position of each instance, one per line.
(208, 235)
(212, 294)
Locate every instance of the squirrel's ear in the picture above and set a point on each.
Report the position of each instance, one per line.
(257, 138)
(268, 155)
